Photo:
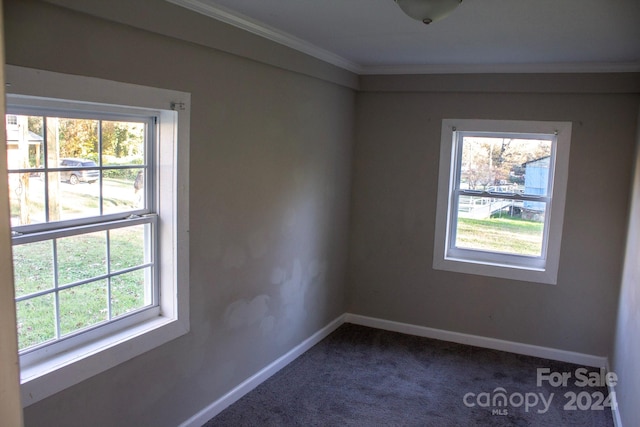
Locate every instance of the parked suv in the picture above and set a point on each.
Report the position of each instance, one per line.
(78, 175)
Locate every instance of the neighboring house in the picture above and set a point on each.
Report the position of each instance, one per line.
(535, 182)
(14, 138)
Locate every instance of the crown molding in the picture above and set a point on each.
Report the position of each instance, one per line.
(533, 68)
(260, 29)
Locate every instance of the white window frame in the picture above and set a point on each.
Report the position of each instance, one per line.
(542, 269)
(47, 374)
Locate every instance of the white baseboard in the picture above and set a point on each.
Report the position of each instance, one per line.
(513, 347)
(252, 382)
(479, 341)
(617, 420)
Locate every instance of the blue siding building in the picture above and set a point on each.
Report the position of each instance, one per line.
(536, 182)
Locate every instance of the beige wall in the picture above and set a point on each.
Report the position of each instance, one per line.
(626, 354)
(270, 182)
(393, 211)
(160, 17)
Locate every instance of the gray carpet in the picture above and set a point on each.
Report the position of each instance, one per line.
(359, 376)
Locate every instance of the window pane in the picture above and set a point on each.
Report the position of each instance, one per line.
(26, 198)
(499, 225)
(36, 321)
(24, 142)
(505, 165)
(123, 190)
(130, 292)
(83, 306)
(81, 257)
(127, 247)
(72, 196)
(122, 143)
(72, 139)
(33, 267)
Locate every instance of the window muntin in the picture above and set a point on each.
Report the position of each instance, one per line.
(83, 219)
(490, 221)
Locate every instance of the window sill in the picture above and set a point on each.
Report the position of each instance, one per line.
(45, 378)
(503, 271)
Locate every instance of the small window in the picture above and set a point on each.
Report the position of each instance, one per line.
(501, 198)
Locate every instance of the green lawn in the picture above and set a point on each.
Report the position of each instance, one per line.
(506, 234)
(79, 258)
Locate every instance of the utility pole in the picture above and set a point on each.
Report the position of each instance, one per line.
(53, 161)
(23, 149)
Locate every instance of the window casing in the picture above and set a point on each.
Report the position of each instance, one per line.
(134, 205)
(501, 194)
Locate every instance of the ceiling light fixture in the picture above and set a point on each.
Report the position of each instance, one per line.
(428, 11)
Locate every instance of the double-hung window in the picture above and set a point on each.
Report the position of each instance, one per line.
(84, 221)
(99, 247)
(501, 198)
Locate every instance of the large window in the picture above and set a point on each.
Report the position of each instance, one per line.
(501, 198)
(99, 244)
(83, 220)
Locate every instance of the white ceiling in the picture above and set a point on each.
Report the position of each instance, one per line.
(374, 36)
